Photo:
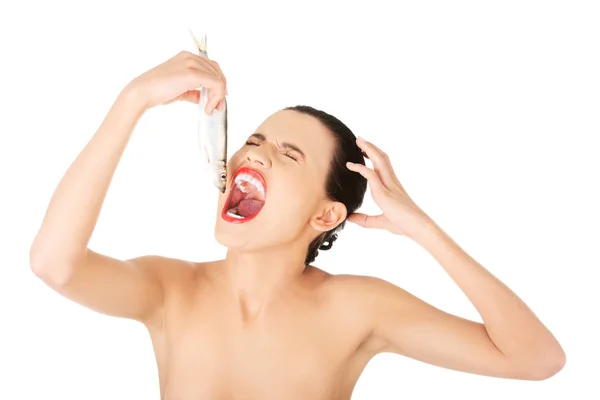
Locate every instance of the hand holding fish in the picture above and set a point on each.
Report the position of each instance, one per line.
(179, 79)
(400, 215)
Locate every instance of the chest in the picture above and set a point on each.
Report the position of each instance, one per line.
(212, 352)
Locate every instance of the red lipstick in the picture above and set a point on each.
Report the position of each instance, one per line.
(255, 174)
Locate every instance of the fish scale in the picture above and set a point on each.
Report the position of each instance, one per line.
(212, 132)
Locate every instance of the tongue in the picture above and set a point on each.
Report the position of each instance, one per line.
(249, 207)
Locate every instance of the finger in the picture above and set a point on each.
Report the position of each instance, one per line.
(214, 99)
(204, 79)
(220, 72)
(380, 161)
(221, 105)
(214, 86)
(193, 96)
(378, 171)
(386, 160)
(202, 63)
(373, 152)
(374, 146)
(367, 221)
(371, 176)
(214, 69)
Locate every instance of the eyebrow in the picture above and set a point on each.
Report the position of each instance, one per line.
(290, 146)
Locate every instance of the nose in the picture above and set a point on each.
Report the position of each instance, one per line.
(257, 156)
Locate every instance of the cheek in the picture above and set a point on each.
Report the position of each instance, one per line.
(294, 197)
(234, 160)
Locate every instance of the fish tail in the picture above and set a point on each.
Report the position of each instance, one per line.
(200, 44)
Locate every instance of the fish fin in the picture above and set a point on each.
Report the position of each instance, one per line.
(196, 42)
(200, 44)
(207, 153)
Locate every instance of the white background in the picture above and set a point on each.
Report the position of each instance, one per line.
(488, 110)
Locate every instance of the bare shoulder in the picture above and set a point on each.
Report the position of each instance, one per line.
(171, 271)
(364, 288)
(377, 298)
(369, 299)
(166, 267)
(359, 292)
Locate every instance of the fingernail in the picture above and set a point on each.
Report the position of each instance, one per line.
(360, 138)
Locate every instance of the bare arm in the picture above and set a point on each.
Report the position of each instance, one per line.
(59, 254)
(510, 343)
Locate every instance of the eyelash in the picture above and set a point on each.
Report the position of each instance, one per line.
(287, 153)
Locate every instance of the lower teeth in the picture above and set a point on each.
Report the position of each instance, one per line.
(231, 214)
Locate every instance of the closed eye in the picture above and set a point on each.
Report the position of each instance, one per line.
(288, 153)
(291, 155)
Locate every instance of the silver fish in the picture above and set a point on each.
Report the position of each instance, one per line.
(212, 132)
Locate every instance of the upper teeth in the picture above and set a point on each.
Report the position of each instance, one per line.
(251, 180)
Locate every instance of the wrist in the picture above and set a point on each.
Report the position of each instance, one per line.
(425, 230)
(132, 97)
(124, 114)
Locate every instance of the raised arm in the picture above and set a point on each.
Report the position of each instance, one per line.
(59, 254)
(511, 342)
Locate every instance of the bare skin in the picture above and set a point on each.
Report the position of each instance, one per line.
(311, 343)
(258, 324)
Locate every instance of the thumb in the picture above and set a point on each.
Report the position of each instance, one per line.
(367, 221)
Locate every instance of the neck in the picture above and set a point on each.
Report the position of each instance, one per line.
(257, 277)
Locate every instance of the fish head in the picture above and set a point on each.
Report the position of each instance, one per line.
(219, 176)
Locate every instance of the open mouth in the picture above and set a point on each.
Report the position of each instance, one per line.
(246, 197)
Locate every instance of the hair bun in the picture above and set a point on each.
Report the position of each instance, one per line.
(328, 242)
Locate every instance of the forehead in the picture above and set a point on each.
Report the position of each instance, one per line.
(301, 130)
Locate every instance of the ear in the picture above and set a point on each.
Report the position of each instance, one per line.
(330, 215)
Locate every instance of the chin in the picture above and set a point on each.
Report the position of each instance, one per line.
(233, 238)
(227, 240)
(236, 233)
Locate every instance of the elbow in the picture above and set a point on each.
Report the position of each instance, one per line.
(50, 271)
(36, 263)
(557, 363)
(548, 365)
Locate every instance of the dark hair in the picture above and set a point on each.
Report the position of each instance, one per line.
(343, 185)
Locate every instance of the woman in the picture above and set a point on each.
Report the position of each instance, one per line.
(263, 323)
